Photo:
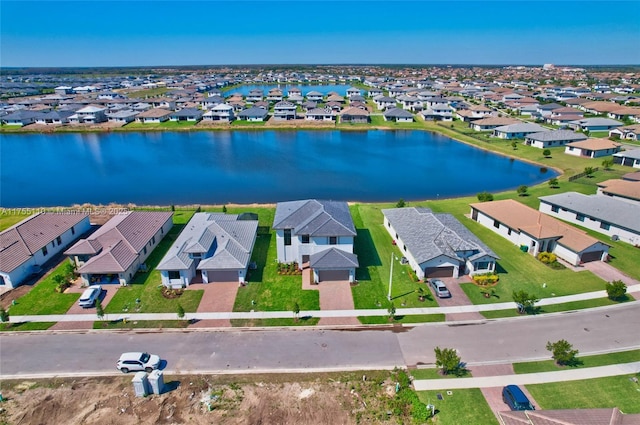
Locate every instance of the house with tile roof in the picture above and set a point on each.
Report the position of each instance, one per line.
(603, 214)
(536, 232)
(437, 245)
(548, 139)
(318, 233)
(115, 252)
(592, 148)
(626, 190)
(213, 247)
(29, 244)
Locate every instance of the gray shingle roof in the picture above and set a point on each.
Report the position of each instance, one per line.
(633, 153)
(612, 210)
(333, 258)
(521, 128)
(428, 235)
(548, 136)
(224, 241)
(397, 113)
(315, 218)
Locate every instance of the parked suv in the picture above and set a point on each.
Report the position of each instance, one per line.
(138, 361)
(513, 396)
(89, 296)
(440, 288)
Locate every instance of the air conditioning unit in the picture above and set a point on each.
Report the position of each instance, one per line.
(615, 237)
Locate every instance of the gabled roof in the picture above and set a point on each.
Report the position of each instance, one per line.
(595, 144)
(428, 235)
(632, 153)
(397, 113)
(315, 218)
(333, 258)
(253, 112)
(521, 128)
(563, 135)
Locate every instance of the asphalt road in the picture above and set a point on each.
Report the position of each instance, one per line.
(608, 329)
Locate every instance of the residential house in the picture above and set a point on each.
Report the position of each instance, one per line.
(375, 92)
(410, 103)
(210, 102)
(535, 232)
(122, 116)
(274, 95)
(336, 98)
(398, 115)
(517, 130)
(629, 132)
(594, 124)
(91, 114)
(284, 110)
(548, 139)
(221, 112)
(352, 91)
(155, 115)
(255, 95)
(20, 118)
(355, 116)
(53, 117)
(163, 102)
(438, 112)
(318, 233)
(592, 148)
(213, 247)
(186, 114)
(437, 245)
(253, 114)
(630, 158)
(25, 247)
(314, 96)
(294, 91)
(603, 214)
(320, 114)
(545, 110)
(384, 102)
(626, 190)
(485, 124)
(115, 252)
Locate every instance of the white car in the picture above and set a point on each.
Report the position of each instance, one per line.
(440, 288)
(138, 361)
(89, 296)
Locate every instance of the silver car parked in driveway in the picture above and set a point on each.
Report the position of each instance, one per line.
(439, 288)
(89, 296)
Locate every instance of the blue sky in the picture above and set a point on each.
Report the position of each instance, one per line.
(148, 33)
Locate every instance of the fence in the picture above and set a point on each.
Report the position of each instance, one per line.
(577, 176)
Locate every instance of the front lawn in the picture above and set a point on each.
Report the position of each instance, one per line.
(43, 299)
(554, 308)
(464, 406)
(615, 391)
(302, 321)
(413, 318)
(433, 373)
(140, 324)
(25, 326)
(583, 361)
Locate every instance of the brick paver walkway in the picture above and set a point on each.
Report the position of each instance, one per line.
(333, 296)
(217, 297)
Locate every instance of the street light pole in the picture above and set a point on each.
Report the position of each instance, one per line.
(390, 278)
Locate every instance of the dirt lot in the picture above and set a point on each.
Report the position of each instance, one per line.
(266, 399)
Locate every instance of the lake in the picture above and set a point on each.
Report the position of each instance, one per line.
(341, 89)
(215, 167)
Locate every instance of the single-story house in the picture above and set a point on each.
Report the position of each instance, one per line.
(318, 233)
(154, 115)
(115, 252)
(629, 132)
(213, 247)
(485, 124)
(627, 190)
(355, 116)
(397, 115)
(20, 118)
(536, 232)
(320, 114)
(517, 130)
(53, 117)
(549, 139)
(592, 148)
(253, 114)
(437, 245)
(186, 114)
(594, 124)
(630, 158)
(604, 214)
(26, 246)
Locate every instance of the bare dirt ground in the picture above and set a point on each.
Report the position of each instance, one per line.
(265, 399)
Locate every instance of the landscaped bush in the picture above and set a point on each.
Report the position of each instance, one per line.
(485, 279)
(547, 257)
(289, 268)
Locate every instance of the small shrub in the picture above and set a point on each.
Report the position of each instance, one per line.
(400, 203)
(547, 257)
(616, 290)
(485, 197)
(485, 279)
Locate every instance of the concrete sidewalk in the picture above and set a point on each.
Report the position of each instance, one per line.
(528, 378)
(312, 313)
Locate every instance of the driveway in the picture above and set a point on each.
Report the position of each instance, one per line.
(108, 291)
(334, 295)
(458, 298)
(609, 273)
(217, 297)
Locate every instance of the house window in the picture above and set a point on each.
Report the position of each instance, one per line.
(153, 240)
(53, 244)
(509, 231)
(144, 251)
(73, 231)
(333, 240)
(305, 238)
(482, 265)
(604, 225)
(496, 224)
(174, 274)
(196, 255)
(388, 224)
(162, 230)
(59, 240)
(580, 217)
(287, 237)
(44, 250)
(555, 209)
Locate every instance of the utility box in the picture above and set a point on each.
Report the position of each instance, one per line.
(141, 384)
(156, 381)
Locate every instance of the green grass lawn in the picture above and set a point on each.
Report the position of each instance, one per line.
(302, 321)
(414, 318)
(146, 287)
(148, 92)
(140, 324)
(25, 326)
(465, 406)
(166, 125)
(10, 217)
(43, 299)
(584, 361)
(554, 308)
(614, 391)
(433, 373)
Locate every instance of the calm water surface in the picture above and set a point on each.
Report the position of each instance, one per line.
(248, 166)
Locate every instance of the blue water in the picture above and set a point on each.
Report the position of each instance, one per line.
(248, 166)
(341, 89)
